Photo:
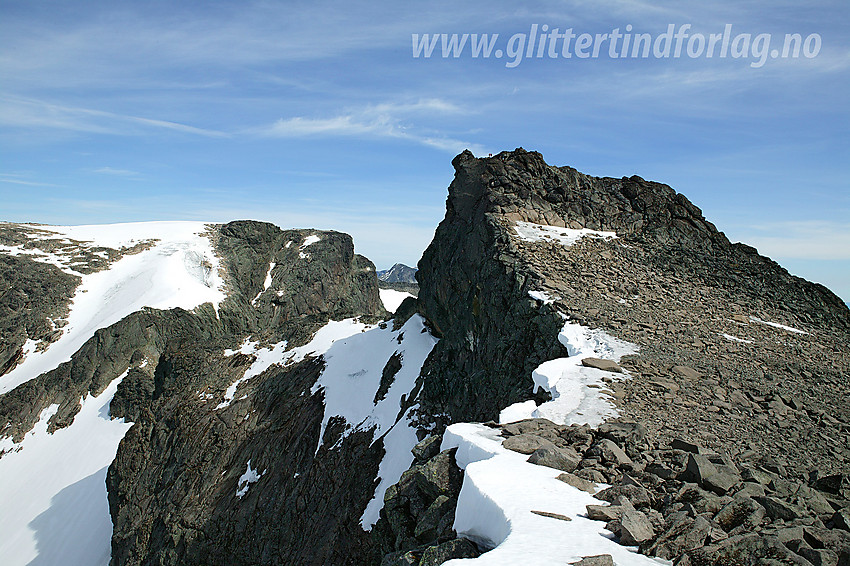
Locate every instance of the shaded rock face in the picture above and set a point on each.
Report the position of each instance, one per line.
(173, 486)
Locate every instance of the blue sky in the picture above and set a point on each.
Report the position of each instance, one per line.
(317, 114)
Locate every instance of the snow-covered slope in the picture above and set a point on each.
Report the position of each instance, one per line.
(53, 506)
(392, 299)
(178, 270)
(353, 375)
(53, 489)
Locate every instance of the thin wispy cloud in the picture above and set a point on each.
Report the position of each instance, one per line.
(385, 120)
(116, 172)
(30, 113)
(14, 181)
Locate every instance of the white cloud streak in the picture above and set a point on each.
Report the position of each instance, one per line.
(386, 120)
(30, 113)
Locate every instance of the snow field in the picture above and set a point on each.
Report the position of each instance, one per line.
(350, 381)
(180, 270)
(392, 299)
(53, 488)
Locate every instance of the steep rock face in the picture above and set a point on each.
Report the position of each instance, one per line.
(174, 488)
(475, 284)
(280, 276)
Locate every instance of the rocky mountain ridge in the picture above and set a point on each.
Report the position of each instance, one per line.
(740, 369)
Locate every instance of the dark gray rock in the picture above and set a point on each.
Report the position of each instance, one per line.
(605, 512)
(457, 548)
(776, 508)
(610, 452)
(527, 443)
(744, 550)
(638, 496)
(530, 426)
(742, 515)
(578, 483)
(635, 528)
(681, 535)
(841, 519)
(563, 459)
(598, 560)
(623, 433)
(427, 448)
(698, 469)
(604, 365)
(679, 444)
(819, 556)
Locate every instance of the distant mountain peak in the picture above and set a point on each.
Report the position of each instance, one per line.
(398, 273)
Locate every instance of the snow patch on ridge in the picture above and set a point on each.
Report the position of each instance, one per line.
(500, 491)
(569, 383)
(310, 240)
(278, 354)
(735, 338)
(529, 232)
(777, 325)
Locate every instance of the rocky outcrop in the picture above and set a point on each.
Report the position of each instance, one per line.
(34, 297)
(728, 339)
(416, 521)
(174, 486)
